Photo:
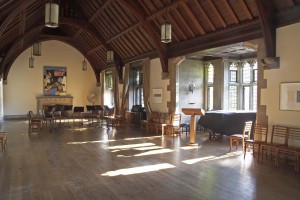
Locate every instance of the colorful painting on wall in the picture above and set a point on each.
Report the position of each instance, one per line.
(55, 81)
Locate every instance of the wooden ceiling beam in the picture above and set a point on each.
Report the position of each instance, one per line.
(84, 25)
(220, 18)
(266, 16)
(230, 11)
(124, 32)
(132, 7)
(287, 17)
(151, 17)
(97, 13)
(231, 35)
(163, 10)
(193, 19)
(206, 18)
(14, 13)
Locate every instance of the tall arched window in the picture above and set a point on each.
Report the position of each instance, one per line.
(209, 86)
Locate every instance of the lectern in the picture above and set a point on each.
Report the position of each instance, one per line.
(193, 112)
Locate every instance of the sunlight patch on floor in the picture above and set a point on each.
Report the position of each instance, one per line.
(129, 146)
(139, 170)
(140, 138)
(147, 148)
(153, 152)
(210, 158)
(92, 142)
(190, 147)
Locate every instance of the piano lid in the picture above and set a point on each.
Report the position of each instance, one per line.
(193, 111)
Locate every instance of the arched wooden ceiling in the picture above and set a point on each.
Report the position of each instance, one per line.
(132, 27)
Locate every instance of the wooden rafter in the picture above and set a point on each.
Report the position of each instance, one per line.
(154, 38)
(208, 21)
(193, 19)
(81, 24)
(99, 10)
(246, 9)
(230, 11)
(220, 18)
(13, 14)
(177, 27)
(183, 23)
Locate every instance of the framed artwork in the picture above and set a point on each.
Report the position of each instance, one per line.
(55, 81)
(290, 96)
(157, 95)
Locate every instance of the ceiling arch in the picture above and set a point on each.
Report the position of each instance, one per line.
(135, 27)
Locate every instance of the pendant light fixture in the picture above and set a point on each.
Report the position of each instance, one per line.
(37, 49)
(31, 59)
(84, 65)
(51, 15)
(110, 53)
(166, 29)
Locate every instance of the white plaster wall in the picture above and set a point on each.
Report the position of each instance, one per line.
(191, 72)
(157, 82)
(25, 84)
(288, 49)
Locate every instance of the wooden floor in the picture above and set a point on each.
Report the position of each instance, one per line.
(90, 163)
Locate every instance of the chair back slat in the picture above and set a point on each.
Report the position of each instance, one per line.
(261, 132)
(279, 134)
(247, 129)
(293, 136)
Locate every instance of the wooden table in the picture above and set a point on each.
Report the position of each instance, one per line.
(193, 112)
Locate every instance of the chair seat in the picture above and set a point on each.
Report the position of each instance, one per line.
(255, 141)
(239, 136)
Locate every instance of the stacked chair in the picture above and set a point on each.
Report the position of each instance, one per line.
(290, 151)
(278, 139)
(260, 135)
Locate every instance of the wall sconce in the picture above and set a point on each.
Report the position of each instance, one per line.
(192, 87)
(84, 65)
(51, 14)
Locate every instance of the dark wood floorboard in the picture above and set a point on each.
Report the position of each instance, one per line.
(90, 163)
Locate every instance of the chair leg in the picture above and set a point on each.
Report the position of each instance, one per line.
(236, 143)
(297, 162)
(243, 143)
(245, 147)
(230, 143)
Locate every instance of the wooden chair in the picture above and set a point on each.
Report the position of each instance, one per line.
(152, 121)
(260, 137)
(3, 139)
(34, 123)
(174, 126)
(291, 149)
(278, 138)
(77, 115)
(165, 119)
(244, 136)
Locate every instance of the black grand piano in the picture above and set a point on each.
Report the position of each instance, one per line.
(225, 122)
